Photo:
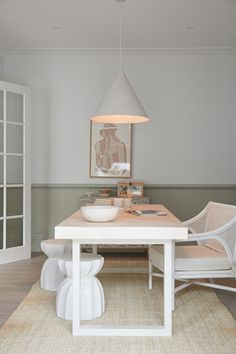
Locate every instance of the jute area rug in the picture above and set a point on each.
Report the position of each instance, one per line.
(201, 323)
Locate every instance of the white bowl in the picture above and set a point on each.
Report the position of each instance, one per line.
(99, 213)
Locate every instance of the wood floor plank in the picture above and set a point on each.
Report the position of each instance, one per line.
(16, 280)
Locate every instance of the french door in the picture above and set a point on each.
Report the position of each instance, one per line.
(15, 190)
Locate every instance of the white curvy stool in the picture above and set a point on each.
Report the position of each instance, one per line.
(92, 302)
(51, 276)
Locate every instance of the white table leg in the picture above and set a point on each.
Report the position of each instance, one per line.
(94, 249)
(168, 285)
(113, 330)
(173, 275)
(76, 288)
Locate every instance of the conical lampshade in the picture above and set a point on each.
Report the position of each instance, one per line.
(120, 104)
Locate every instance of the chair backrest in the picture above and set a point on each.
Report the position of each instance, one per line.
(218, 215)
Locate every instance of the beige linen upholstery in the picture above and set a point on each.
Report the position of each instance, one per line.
(191, 258)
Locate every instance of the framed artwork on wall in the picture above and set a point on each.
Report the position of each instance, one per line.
(110, 150)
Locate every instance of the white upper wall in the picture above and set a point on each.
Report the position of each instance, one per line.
(190, 98)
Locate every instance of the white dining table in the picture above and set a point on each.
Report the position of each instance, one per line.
(125, 229)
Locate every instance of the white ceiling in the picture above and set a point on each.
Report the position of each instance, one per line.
(95, 23)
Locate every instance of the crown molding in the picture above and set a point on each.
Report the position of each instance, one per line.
(126, 51)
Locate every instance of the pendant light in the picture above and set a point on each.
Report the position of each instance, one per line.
(120, 104)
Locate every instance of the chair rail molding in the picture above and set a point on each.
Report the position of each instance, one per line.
(146, 186)
(127, 51)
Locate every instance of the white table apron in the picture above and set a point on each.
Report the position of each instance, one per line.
(74, 228)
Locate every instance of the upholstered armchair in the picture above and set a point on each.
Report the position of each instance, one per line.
(213, 256)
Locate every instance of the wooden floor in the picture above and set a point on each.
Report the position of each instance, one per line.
(16, 279)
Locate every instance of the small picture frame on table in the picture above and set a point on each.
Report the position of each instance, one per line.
(130, 189)
(137, 190)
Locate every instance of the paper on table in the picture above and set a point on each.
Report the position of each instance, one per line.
(146, 212)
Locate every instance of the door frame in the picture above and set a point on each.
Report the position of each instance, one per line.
(20, 252)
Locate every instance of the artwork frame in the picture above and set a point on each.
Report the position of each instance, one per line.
(110, 150)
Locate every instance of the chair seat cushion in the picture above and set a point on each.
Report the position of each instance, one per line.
(191, 258)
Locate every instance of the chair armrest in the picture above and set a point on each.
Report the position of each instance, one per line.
(219, 235)
(196, 217)
(213, 233)
(197, 223)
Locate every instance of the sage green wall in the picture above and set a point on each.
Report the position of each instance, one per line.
(53, 203)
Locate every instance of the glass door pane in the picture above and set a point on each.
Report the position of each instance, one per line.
(1, 234)
(1, 138)
(14, 139)
(14, 233)
(1, 169)
(15, 107)
(14, 169)
(1, 106)
(14, 201)
(1, 202)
